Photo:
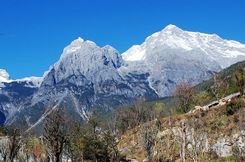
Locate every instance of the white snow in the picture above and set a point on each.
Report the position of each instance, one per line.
(36, 81)
(235, 44)
(32, 81)
(231, 53)
(171, 37)
(135, 53)
(74, 46)
(170, 27)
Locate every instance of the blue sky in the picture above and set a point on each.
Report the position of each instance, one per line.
(33, 33)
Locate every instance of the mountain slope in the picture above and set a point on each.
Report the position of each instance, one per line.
(15, 94)
(85, 76)
(227, 75)
(214, 131)
(173, 55)
(88, 76)
(210, 135)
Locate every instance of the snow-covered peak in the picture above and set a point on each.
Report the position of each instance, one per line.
(76, 45)
(171, 28)
(173, 38)
(77, 41)
(4, 76)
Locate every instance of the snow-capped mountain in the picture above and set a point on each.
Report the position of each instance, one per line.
(173, 55)
(223, 52)
(88, 76)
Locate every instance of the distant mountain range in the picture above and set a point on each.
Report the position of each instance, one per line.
(88, 76)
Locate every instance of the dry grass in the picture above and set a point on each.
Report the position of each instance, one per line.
(215, 122)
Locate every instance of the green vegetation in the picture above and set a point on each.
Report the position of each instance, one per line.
(228, 75)
(233, 106)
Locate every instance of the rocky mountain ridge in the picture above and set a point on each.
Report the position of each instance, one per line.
(88, 76)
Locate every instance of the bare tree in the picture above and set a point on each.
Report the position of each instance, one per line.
(111, 141)
(237, 153)
(32, 147)
(55, 134)
(74, 148)
(196, 145)
(185, 96)
(111, 138)
(183, 138)
(168, 146)
(134, 115)
(14, 144)
(219, 87)
(4, 147)
(149, 137)
(238, 150)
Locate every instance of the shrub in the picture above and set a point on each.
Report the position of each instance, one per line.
(232, 107)
(236, 118)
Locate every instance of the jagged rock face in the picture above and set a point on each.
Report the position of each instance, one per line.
(14, 96)
(87, 75)
(84, 64)
(86, 58)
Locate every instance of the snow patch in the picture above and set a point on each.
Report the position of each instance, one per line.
(36, 81)
(233, 53)
(134, 54)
